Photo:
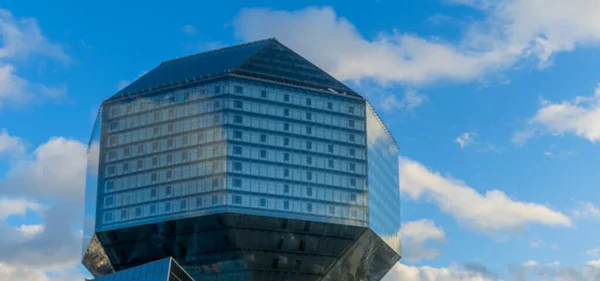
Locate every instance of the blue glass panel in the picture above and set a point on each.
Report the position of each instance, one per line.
(384, 192)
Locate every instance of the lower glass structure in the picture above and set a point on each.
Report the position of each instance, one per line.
(161, 270)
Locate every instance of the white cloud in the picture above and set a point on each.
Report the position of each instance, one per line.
(537, 244)
(580, 117)
(31, 230)
(410, 101)
(189, 29)
(465, 139)
(415, 236)
(555, 271)
(401, 272)
(20, 39)
(492, 213)
(586, 209)
(9, 207)
(10, 144)
(508, 34)
(593, 252)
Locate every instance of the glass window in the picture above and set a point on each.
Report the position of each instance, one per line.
(168, 190)
(154, 177)
(308, 208)
(309, 160)
(237, 135)
(184, 155)
(237, 150)
(154, 161)
(286, 188)
(263, 202)
(308, 116)
(286, 204)
(215, 200)
(141, 149)
(263, 153)
(170, 143)
(309, 176)
(308, 102)
(200, 152)
(237, 119)
(201, 137)
(216, 119)
(329, 105)
(237, 183)
(286, 112)
(123, 214)
(351, 137)
(217, 104)
(351, 123)
(108, 217)
(152, 209)
(330, 148)
(113, 140)
(155, 131)
(238, 89)
(286, 172)
(263, 94)
(114, 111)
(185, 140)
(330, 163)
(308, 145)
(111, 170)
(140, 164)
(352, 152)
(112, 155)
(237, 166)
(114, 126)
(309, 191)
(286, 126)
(125, 167)
(308, 130)
(351, 109)
(138, 211)
(238, 104)
(110, 185)
(217, 89)
(183, 204)
(286, 157)
(126, 152)
(263, 138)
(199, 202)
(352, 182)
(352, 197)
(167, 207)
(215, 182)
(286, 97)
(109, 201)
(169, 158)
(171, 114)
(237, 199)
(153, 193)
(352, 167)
(286, 141)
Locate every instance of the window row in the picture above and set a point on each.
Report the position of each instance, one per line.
(277, 188)
(163, 208)
(170, 174)
(314, 176)
(263, 123)
(293, 158)
(149, 133)
(303, 115)
(161, 100)
(166, 114)
(344, 105)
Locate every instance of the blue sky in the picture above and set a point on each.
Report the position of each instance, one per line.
(495, 105)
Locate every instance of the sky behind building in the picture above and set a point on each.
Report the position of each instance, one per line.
(495, 106)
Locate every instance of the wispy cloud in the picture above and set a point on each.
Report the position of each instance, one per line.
(467, 272)
(415, 236)
(579, 117)
(586, 210)
(493, 212)
(466, 139)
(189, 29)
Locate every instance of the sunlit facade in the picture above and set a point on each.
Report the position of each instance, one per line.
(245, 163)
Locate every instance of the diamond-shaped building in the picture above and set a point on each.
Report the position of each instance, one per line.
(243, 163)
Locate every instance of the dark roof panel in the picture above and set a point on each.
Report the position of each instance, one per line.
(265, 59)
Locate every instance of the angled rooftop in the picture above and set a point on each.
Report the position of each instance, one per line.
(265, 59)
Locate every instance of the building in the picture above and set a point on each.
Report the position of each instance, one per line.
(161, 270)
(243, 163)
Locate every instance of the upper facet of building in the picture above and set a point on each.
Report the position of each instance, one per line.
(244, 163)
(266, 59)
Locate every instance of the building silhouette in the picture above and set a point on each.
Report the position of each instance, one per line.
(243, 163)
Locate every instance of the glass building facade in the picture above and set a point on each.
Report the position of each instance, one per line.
(161, 270)
(245, 163)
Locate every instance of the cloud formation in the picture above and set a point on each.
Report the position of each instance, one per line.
(555, 271)
(579, 117)
(586, 210)
(465, 139)
(468, 272)
(491, 213)
(507, 35)
(415, 236)
(21, 38)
